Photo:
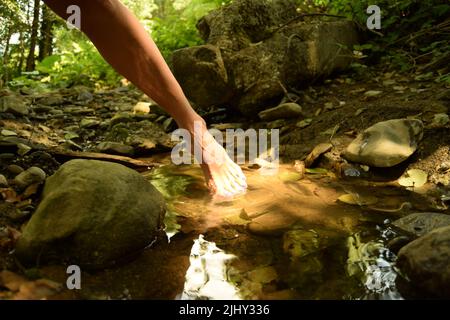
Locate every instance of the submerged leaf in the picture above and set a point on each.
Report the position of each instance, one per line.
(290, 176)
(316, 170)
(413, 178)
(355, 199)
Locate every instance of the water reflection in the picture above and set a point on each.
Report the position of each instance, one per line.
(207, 276)
(372, 263)
(286, 238)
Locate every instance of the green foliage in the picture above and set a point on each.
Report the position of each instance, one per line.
(77, 62)
(176, 29)
(413, 32)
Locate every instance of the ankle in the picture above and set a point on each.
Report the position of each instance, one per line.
(192, 123)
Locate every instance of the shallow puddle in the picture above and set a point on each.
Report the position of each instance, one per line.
(286, 237)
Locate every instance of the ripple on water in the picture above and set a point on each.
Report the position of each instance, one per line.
(286, 238)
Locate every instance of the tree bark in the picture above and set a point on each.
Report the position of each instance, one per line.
(22, 52)
(31, 59)
(46, 39)
(5, 58)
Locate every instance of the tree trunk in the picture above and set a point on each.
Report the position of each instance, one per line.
(22, 52)
(46, 39)
(5, 76)
(31, 60)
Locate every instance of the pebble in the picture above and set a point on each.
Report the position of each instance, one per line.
(3, 181)
(15, 169)
(141, 107)
(30, 176)
(372, 93)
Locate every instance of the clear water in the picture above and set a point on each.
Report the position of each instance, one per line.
(286, 238)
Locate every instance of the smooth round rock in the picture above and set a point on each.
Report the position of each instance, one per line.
(386, 143)
(92, 214)
(426, 262)
(30, 176)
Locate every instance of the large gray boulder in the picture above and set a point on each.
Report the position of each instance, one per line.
(243, 22)
(92, 214)
(426, 262)
(203, 75)
(261, 46)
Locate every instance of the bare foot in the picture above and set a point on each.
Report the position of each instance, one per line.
(223, 177)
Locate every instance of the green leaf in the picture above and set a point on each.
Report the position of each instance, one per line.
(46, 65)
(316, 170)
(413, 178)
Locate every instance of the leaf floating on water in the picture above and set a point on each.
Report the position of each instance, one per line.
(413, 178)
(237, 219)
(289, 176)
(316, 170)
(316, 153)
(355, 199)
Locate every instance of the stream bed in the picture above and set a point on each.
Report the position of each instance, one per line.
(287, 237)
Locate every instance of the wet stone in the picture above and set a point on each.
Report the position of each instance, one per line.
(386, 143)
(30, 176)
(422, 223)
(3, 181)
(285, 110)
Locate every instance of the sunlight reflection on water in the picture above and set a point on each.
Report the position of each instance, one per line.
(207, 276)
(367, 270)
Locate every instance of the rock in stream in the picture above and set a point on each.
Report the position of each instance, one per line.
(92, 214)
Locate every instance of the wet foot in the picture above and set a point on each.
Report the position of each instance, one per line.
(224, 178)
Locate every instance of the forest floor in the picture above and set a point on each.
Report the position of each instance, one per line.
(63, 123)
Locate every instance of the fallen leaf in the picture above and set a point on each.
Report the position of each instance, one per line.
(413, 178)
(30, 190)
(9, 195)
(304, 123)
(317, 170)
(290, 176)
(355, 199)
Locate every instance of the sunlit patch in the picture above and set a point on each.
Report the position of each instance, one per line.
(207, 276)
(268, 162)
